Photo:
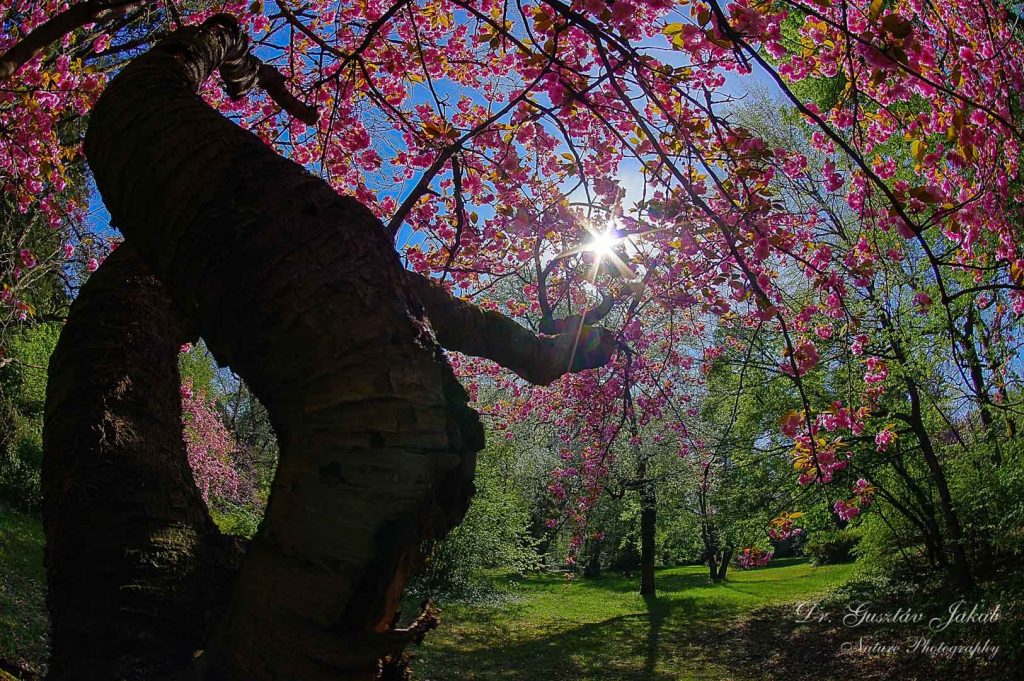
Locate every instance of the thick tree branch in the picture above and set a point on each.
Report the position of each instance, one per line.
(71, 19)
(552, 326)
(272, 82)
(239, 68)
(463, 327)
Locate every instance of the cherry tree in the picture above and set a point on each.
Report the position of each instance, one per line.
(491, 145)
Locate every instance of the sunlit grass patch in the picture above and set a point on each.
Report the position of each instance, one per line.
(602, 629)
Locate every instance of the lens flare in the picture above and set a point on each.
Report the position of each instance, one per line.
(602, 244)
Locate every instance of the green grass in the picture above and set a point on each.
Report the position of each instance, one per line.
(604, 630)
(551, 630)
(23, 619)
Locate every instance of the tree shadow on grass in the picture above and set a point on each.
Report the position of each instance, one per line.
(672, 640)
(665, 641)
(657, 612)
(24, 622)
(667, 582)
(684, 632)
(675, 582)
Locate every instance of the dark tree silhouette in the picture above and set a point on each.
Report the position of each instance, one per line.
(300, 291)
(136, 565)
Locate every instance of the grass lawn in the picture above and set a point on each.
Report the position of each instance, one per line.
(552, 629)
(23, 623)
(602, 629)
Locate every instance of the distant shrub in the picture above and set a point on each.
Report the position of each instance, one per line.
(22, 399)
(240, 520)
(830, 547)
(493, 539)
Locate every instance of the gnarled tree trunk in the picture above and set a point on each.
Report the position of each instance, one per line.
(300, 291)
(132, 554)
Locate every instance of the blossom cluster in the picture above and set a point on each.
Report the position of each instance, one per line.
(753, 557)
(495, 141)
(863, 496)
(784, 527)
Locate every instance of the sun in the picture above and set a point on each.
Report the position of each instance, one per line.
(606, 245)
(602, 244)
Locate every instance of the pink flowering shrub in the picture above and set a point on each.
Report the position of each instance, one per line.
(753, 557)
(211, 450)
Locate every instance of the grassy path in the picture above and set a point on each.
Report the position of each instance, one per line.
(603, 630)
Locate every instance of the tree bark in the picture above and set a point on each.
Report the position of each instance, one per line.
(724, 567)
(592, 570)
(977, 374)
(960, 567)
(928, 523)
(132, 553)
(648, 523)
(708, 531)
(299, 290)
(466, 328)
